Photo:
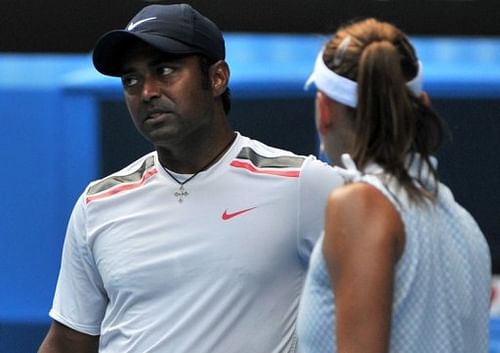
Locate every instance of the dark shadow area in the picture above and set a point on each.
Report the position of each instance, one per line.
(55, 26)
(24, 337)
(286, 123)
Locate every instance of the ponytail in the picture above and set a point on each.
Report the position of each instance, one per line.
(384, 98)
(386, 120)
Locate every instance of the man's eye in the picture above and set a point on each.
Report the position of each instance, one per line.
(129, 81)
(165, 70)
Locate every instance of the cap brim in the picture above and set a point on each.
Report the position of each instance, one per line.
(109, 52)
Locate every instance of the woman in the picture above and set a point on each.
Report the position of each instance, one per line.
(401, 267)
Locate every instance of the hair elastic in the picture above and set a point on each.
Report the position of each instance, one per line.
(344, 90)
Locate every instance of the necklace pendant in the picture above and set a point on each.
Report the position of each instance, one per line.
(181, 194)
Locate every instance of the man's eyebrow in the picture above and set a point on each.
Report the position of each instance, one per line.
(154, 61)
(160, 60)
(128, 67)
(163, 59)
(166, 59)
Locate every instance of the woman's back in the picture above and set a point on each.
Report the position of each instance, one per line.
(441, 287)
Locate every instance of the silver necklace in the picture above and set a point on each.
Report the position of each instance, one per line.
(182, 192)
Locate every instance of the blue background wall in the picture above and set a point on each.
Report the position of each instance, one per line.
(52, 107)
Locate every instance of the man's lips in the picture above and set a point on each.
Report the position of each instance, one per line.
(155, 117)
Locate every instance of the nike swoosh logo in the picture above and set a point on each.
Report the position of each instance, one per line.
(132, 25)
(227, 216)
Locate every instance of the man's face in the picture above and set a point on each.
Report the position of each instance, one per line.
(165, 95)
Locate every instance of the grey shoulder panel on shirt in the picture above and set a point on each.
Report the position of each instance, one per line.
(112, 181)
(285, 161)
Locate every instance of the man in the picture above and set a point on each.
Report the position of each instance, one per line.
(203, 244)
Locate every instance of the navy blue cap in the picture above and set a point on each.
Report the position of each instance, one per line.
(174, 29)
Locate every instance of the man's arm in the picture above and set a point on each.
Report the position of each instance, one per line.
(62, 339)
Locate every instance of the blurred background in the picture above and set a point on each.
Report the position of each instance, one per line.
(63, 124)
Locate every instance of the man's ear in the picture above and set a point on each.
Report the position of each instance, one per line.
(219, 77)
(324, 114)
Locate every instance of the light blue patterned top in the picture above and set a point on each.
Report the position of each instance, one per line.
(442, 281)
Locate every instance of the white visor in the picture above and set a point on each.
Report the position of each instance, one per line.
(342, 89)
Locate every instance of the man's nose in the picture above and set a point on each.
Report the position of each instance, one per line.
(150, 88)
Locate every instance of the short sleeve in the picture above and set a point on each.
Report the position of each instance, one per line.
(80, 300)
(317, 180)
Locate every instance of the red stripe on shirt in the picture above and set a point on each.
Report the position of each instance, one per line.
(251, 168)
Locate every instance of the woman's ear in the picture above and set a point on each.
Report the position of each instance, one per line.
(219, 77)
(424, 97)
(324, 110)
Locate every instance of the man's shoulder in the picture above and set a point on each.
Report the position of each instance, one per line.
(136, 172)
(265, 155)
